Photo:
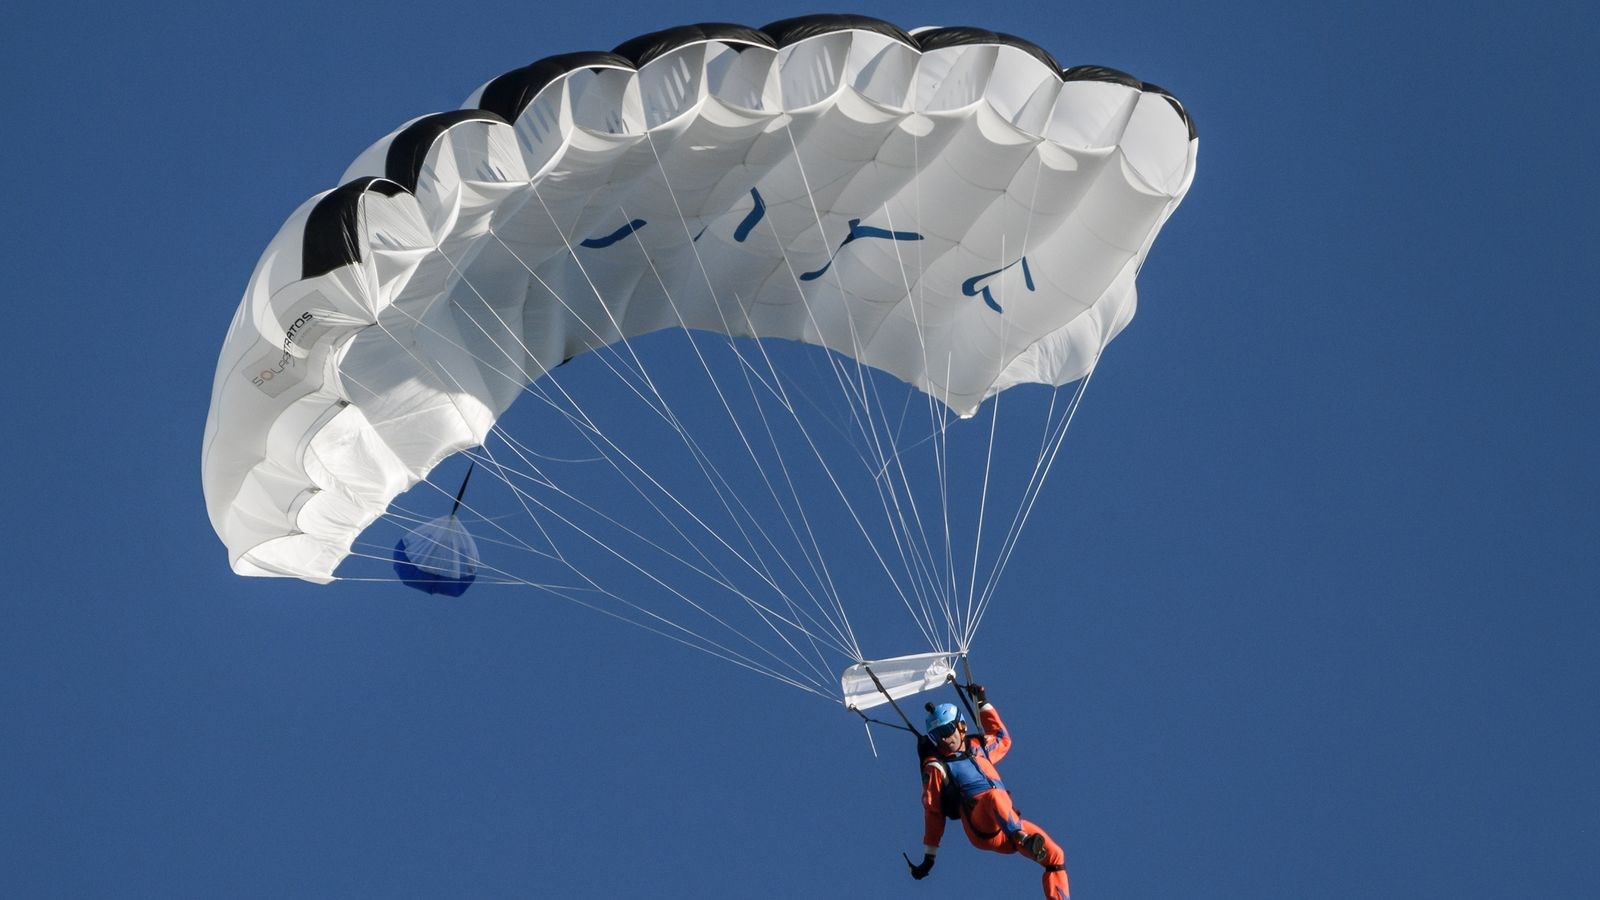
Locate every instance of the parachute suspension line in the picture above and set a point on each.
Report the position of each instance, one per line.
(921, 550)
(983, 504)
(725, 652)
(522, 496)
(525, 497)
(1032, 492)
(815, 559)
(814, 555)
(765, 614)
(523, 452)
(515, 541)
(583, 423)
(852, 390)
(718, 579)
(805, 432)
(988, 461)
(854, 387)
(403, 518)
(601, 342)
(969, 627)
(872, 721)
(860, 410)
(938, 415)
(383, 554)
(663, 410)
(425, 366)
(942, 462)
(874, 425)
(793, 489)
(939, 420)
(1056, 435)
(838, 619)
(561, 591)
(694, 641)
(603, 348)
(788, 405)
(1009, 542)
(701, 458)
(742, 663)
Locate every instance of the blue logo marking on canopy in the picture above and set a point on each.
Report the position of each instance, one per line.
(750, 219)
(596, 243)
(859, 231)
(970, 286)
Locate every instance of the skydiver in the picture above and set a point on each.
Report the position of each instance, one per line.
(965, 764)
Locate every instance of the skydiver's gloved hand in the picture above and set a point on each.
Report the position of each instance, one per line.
(979, 698)
(921, 869)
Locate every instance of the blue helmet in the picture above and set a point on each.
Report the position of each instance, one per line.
(941, 716)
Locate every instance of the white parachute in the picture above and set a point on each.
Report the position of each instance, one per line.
(948, 207)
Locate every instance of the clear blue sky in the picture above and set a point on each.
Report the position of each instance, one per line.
(1311, 613)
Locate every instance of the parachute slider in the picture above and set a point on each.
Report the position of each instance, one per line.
(875, 682)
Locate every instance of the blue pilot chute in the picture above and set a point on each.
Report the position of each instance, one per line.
(440, 556)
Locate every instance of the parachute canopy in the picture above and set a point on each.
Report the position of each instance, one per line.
(947, 206)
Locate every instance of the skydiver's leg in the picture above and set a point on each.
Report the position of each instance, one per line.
(985, 824)
(1006, 818)
(1053, 858)
(1016, 834)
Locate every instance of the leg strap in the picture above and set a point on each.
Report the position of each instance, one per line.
(1055, 868)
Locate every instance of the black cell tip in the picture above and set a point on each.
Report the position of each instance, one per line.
(330, 239)
(410, 147)
(646, 47)
(939, 38)
(788, 31)
(510, 94)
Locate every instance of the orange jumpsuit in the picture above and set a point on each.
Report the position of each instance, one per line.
(990, 821)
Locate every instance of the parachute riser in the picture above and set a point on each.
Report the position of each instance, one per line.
(887, 696)
(961, 692)
(966, 665)
(867, 722)
(965, 701)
